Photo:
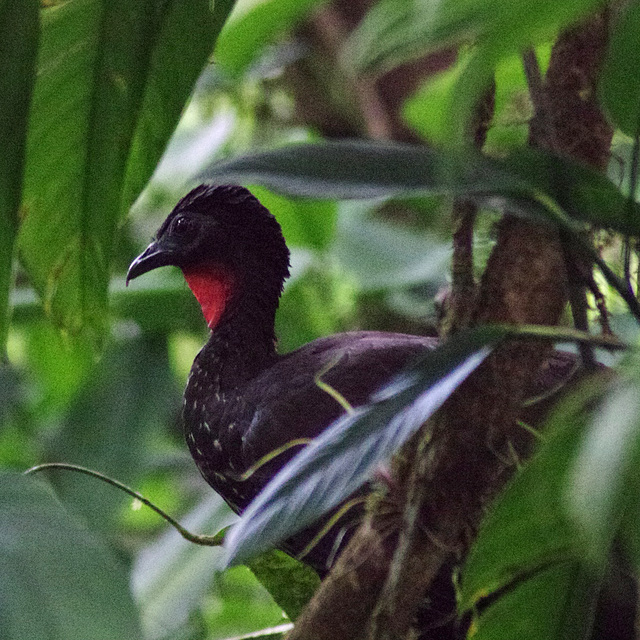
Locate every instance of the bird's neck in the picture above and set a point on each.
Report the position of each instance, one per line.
(241, 315)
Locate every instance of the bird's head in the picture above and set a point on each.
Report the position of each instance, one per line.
(224, 241)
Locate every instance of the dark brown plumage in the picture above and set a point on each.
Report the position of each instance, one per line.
(243, 400)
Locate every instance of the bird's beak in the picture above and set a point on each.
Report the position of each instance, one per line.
(152, 257)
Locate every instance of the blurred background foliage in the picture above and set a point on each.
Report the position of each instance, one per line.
(90, 94)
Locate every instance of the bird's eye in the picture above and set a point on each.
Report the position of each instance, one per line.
(182, 226)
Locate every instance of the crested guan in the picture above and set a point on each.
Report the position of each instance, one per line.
(243, 400)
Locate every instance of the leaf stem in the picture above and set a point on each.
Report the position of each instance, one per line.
(208, 541)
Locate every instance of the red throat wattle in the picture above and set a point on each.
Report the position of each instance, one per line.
(211, 286)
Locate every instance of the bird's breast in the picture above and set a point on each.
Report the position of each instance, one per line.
(215, 423)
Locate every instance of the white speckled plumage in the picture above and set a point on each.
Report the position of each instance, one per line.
(243, 400)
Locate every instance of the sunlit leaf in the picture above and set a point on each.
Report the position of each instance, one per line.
(60, 365)
(57, 581)
(397, 30)
(344, 456)
(429, 110)
(290, 583)
(108, 95)
(253, 25)
(305, 223)
(18, 48)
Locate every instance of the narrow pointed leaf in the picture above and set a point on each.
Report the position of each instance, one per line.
(344, 456)
(539, 183)
(19, 27)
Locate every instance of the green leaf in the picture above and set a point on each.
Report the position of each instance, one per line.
(59, 365)
(320, 302)
(542, 184)
(171, 576)
(604, 474)
(159, 303)
(253, 25)
(171, 78)
(127, 395)
(19, 31)
(557, 603)
(57, 581)
(395, 31)
(305, 223)
(620, 79)
(429, 110)
(528, 526)
(379, 255)
(290, 583)
(343, 457)
(108, 94)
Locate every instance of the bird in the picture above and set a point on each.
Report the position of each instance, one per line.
(248, 409)
(243, 399)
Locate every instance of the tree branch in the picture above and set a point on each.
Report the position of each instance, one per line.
(465, 454)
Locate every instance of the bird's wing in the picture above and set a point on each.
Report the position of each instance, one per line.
(297, 397)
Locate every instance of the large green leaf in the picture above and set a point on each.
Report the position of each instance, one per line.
(620, 81)
(343, 457)
(173, 71)
(109, 91)
(397, 30)
(126, 396)
(556, 603)
(604, 476)
(529, 527)
(18, 48)
(253, 25)
(57, 581)
(357, 169)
